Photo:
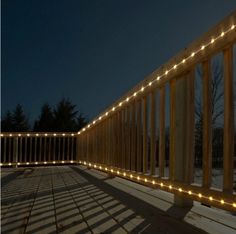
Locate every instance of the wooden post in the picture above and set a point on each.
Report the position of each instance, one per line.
(228, 121)
(153, 132)
(139, 137)
(207, 128)
(144, 115)
(162, 133)
(172, 129)
(133, 130)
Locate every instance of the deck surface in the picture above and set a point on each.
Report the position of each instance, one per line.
(68, 199)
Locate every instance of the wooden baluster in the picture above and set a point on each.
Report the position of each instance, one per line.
(228, 121)
(144, 119)
(207, 128)
(153, 132)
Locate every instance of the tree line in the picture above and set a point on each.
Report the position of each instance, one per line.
(64, 117)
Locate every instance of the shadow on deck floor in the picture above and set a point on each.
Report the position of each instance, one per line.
(71, 200)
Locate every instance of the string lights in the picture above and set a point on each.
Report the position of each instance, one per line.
(165, 73)
(163, 185)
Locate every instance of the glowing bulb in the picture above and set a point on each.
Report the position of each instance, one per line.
(9, 164)
(138, 178)
(18, 163)
(113, 108)
(166, 72)
(95, 166)
(142, 89)
(232, 27)
(150, 83)
(63, 134)
(85, 163)
(161, 184)
(28, 135)
(124, 174)
(212, 40)
(180, 189)
(170, 187)
(10, 135)
(54, 162)
(89, 126)
(90, 164)
(153, 182)
(0, 164)
(175, 66)
(111, 170)
(19, 135)
(106, 169)
(72, 134)
(222, 201)
(158, 78)
(94, 122)
(189, 192)
(184, 60)
(210, 198)
(100, 167)
(62, 161)
(222, 34)
(145, 180)
(199, 195)
(36, 163)
(131, 176)
(1, 135)
(234, 205)
(192, 55)
(79, 133)
(135, 94)
(100, 117)
(203, 47)
(37, 134)
(45, 162)
(120, 104)
(127, 99)
(45, 134)
(118, 172)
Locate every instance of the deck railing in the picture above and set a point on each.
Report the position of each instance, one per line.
(30, 148)
(123, 139)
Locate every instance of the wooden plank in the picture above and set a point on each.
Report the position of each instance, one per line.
(144, 123)
(228, 121)
(162, 132)
(172, 129)
(128, 137)
(207, 125)
(139, 136)
(133, 133)
(153, 133)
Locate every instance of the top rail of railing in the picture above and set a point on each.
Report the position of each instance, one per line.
(208, 44)
(38, 134)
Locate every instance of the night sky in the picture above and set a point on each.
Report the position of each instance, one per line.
(93, 51)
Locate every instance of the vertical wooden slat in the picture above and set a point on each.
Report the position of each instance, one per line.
(228, 121)
(31, 153)
(68, 148)
(123, 137)
(172, 129)
(45, 149)
(133, 133)
(26, 147)
(10, 150)
(49, 150)
(162, 132)
(54, 148)
(72, 149)
(35, 149)
(190, 127)
(4, 149)
(153, 133)
(207, 128)
(128, 137)
(144, 121)
(21, 151)
(63, 148)
(139, 137)
(40, 149)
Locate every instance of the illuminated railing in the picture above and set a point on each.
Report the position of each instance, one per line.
(30, 148)
(120, 140)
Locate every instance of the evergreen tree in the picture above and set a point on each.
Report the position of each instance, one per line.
(46, 120)
(20, 121)
(65, 116)
(7, 122)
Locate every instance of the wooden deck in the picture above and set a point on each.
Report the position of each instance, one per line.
(69, 199)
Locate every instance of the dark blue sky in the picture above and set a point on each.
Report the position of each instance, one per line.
(93, 51)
